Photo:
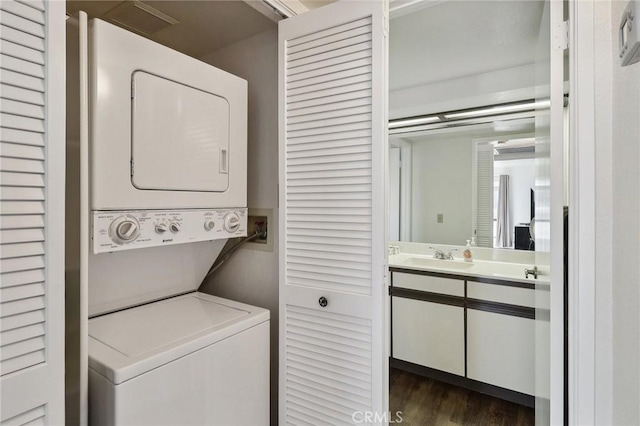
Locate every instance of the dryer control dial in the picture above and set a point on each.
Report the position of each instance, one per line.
(124, 229)
(133, 229)
(175, 226)
(231, 222)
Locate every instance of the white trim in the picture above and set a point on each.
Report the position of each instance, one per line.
(55, 208)
(288, 8)
(556, 260)
(84, 216)
(399, 8)
(406, 182)
(406, 185)
(581, 303)
(265, 9)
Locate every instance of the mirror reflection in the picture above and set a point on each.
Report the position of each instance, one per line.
(471, 183)
(461, 74)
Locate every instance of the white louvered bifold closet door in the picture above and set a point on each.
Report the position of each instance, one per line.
(484, 195)
(332, 219)
(32, 212)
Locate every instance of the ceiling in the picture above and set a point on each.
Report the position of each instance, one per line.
(455, 39)
(204, 26)
(446, 40)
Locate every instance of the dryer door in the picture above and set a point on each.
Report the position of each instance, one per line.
(180, 136)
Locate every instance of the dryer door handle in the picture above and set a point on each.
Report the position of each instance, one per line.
(224, 161)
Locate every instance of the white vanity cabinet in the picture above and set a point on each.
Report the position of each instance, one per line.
(428, 322)
(470, 331)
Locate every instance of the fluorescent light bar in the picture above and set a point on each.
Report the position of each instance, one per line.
(499, 109)
(413, 121)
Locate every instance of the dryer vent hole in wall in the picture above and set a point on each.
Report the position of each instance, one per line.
(256, 224)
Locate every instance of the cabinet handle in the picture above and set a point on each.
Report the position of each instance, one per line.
(323, 302)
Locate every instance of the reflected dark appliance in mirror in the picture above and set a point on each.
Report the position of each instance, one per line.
(523, 240)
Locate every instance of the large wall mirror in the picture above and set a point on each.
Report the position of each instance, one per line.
(464, 183)
(462, 125)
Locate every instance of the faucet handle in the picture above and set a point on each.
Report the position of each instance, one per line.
(450, 254)
(438, 253)
(533, 272)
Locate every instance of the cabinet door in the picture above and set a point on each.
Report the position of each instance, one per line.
(429, 334)
(501, 350)
(32, 150)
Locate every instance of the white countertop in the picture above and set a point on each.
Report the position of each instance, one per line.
(507, 271)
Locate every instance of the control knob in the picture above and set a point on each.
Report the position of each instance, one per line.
(175, 226)
(161, 228)
(209, 225)
(124, 229)
(231, 222)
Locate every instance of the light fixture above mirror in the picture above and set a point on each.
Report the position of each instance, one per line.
(470, 116)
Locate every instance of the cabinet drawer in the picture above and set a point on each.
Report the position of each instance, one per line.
(502, 294)
(448, 286)
(428, 334)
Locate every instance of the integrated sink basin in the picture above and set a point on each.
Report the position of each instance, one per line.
(435, 263)
(477, 268)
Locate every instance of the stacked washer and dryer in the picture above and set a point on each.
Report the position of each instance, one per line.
(167, 188)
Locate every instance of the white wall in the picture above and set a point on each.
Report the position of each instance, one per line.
(603, 214)
(251, 276)
(617, 176)
(441, 184)
(522, 178)
(626, 233)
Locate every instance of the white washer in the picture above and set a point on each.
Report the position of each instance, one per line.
(194, 359)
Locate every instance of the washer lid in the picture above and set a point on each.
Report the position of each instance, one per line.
(130, 342)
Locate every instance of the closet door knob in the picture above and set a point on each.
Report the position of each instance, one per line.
(323, 302)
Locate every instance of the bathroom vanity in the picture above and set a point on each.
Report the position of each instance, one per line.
(470, 324)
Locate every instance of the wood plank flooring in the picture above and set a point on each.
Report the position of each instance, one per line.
(425, 402)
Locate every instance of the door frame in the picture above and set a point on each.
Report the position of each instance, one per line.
(582, 217)
(581, 398)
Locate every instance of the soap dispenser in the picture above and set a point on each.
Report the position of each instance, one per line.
(467, 253)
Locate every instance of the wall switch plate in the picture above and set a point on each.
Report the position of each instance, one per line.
(440, 218)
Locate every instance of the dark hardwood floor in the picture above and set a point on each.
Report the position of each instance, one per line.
(424, 401)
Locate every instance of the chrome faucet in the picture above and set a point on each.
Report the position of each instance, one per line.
(440, 254)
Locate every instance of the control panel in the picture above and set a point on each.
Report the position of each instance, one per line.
(125, 230)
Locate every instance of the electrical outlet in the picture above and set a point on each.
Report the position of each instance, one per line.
(440, 218)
